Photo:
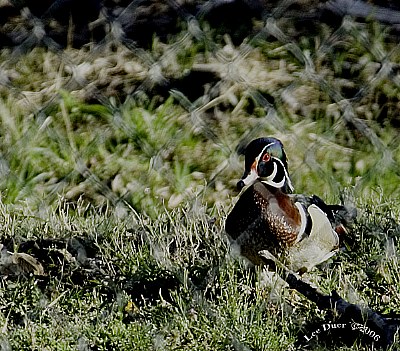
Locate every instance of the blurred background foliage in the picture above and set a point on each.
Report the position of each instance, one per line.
(112, 122)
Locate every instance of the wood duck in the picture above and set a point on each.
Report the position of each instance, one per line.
(301, 231)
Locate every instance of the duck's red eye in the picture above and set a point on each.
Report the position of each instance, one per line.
(266, 157)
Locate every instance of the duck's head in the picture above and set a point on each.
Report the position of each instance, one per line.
(265, 160)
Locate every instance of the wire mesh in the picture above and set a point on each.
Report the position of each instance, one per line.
(100, 100)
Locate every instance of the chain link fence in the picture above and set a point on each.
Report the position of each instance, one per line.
(112, 111)
(153, 102)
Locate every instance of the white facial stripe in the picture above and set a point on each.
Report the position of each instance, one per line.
(253, 175)
(275, 184)
(251, 178)
(262, 151)
(272, 176)
(286, 174)
(270, 179)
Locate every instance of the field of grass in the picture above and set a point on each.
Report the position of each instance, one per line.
(135, 283)
(121, 192)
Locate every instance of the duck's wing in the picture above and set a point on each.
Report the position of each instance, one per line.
(319, 246)
(340, 216)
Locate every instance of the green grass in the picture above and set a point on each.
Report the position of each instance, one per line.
(143, 183)
(198, 295)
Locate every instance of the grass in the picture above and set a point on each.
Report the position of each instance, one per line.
(121, 191)
(171, 283)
